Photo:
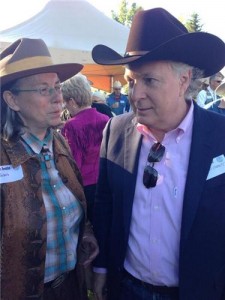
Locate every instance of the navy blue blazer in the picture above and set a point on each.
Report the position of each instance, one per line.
(202, 245)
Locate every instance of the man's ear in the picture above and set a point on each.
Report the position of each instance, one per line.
(185, 80)
(11, 100)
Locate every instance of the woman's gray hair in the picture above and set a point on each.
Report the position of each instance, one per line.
(12, 126)
(78, 88)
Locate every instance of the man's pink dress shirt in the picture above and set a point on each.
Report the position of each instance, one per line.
(153, 247)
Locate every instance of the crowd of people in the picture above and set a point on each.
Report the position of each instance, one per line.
(208, 95)
(219, 105)
(120, 195)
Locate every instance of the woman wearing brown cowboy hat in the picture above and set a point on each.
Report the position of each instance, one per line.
(46, 239)
(160, 206)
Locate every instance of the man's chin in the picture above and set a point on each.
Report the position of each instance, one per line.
(142, 114)
(141, 119)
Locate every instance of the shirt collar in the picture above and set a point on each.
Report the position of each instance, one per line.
(181, 128)
(35, 144)
(210, 90)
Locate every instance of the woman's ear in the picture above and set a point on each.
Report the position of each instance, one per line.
(10, 100)
(73, 103)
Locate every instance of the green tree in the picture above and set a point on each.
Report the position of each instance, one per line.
(125, 12)
(194, 23)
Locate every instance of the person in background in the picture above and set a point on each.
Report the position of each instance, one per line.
(118, 102)
(219, 105)
(98, 97)
(83, 131)
(99, 102)
(159, 214)
(205, 96)
(46, 239)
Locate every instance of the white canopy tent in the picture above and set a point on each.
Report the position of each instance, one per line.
(71, 28)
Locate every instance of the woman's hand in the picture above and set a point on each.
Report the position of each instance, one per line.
(90, 248)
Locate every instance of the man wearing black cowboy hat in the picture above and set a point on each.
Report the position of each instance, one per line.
(160, 206)
(46, 239)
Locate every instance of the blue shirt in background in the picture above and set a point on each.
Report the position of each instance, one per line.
(118, 105)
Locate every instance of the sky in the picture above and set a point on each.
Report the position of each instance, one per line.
(211, 13)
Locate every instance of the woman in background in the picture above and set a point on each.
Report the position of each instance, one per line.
(83, 132)
(99, 102)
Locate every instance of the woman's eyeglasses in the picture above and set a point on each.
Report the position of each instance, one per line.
(44, 91)
(150, 175)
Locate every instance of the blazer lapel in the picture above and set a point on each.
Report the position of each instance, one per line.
(132, 149)
(132, 141)
(199, 164)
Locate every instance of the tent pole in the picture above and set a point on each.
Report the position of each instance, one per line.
(112, 84)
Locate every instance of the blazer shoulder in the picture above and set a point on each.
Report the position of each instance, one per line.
(123, 121)
(203, 115)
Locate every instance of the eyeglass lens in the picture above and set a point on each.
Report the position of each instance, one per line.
(50, 91)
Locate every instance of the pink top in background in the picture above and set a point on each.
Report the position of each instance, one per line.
(84, 135)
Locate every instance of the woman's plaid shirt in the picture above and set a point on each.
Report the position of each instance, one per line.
(63, 210)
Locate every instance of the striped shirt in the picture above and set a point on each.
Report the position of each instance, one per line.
(63, 211)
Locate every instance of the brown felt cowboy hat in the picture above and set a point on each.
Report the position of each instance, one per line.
(157, 35)
(26, 57)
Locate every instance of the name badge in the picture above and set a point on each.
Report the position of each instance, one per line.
(10, 174)
(217, 167)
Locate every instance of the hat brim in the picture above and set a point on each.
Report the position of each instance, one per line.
(221, 90)
(198, 49)
(64, 71)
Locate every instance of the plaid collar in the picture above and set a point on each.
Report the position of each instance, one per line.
(35, 144)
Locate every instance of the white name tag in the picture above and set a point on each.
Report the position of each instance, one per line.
(217, 167)
(10, 174)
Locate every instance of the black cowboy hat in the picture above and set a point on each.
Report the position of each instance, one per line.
(26, 57)
(157, 35)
